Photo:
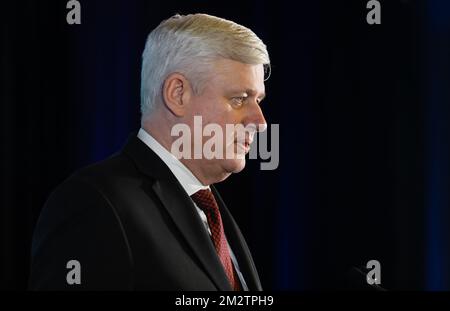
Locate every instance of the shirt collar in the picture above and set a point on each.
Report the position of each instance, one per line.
(188, 181)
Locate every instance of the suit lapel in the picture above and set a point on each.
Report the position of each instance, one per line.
(180, 208)
(238, 245)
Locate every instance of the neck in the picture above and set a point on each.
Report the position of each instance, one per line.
(202, 169)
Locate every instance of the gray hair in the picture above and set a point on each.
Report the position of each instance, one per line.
(188, 45)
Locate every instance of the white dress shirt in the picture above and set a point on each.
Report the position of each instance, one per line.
(188, 181)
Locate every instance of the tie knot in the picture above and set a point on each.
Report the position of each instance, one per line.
(207, 203)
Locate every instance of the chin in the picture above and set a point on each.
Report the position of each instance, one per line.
(235, 165)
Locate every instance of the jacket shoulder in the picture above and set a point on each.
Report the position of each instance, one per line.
(79, 223)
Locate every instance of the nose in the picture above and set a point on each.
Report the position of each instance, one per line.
(255, 116)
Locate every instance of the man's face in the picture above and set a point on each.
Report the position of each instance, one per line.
(231, 95)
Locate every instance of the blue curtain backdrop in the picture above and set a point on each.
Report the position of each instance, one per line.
(364, 130)
(437, 103)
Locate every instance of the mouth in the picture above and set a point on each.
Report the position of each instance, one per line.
(244, 145)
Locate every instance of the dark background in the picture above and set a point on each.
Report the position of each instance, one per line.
(364, 122)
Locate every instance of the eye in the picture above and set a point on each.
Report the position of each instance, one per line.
(238, 101)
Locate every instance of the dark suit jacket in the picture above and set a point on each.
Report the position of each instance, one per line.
(131, 226)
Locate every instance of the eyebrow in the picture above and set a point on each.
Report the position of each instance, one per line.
(253, 92)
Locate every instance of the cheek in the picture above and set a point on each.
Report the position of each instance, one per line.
(218, 114)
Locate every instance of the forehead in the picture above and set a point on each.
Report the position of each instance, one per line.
(232, 74)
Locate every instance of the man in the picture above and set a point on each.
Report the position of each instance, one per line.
(145, 219)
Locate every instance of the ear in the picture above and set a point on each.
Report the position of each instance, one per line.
(176, 93)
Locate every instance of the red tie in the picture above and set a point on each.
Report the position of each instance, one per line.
(205, 201)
